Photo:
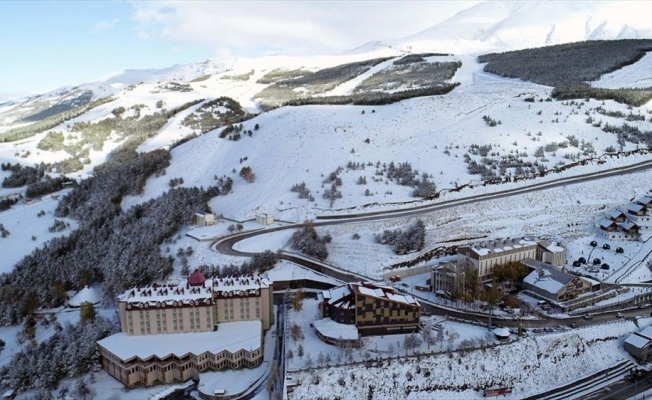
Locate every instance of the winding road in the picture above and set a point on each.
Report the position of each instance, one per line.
(226, 245)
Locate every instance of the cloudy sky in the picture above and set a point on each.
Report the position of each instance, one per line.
(46, 45)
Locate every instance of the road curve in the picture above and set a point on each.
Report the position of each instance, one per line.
(225, 245)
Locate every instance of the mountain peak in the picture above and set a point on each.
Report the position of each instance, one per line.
(513, 25)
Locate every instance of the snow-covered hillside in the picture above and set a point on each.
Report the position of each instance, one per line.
(306, 144)
(513, 25)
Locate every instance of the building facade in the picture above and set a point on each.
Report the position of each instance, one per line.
(446, 279)
(171, 332)
(552, 284)
(487, 255)
(195, 306)
(551, 253)
(638, 344)
(148, 360)
(373, 309)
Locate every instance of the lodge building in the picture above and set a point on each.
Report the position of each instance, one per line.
(374, 309)
(173, 331)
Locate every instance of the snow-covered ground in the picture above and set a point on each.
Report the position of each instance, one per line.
(637, 75)
(569, 214)
(453, 334)
(28, 230)
(305, 144)
(529, 365)
(43, 331)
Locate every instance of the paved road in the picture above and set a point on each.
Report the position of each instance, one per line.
(225, 246)
(621, 390)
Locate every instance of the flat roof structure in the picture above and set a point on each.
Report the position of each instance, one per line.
(230, 336)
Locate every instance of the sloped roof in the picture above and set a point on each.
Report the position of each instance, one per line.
(614, 214)
(551, 279)
(635, 207)
(87, 294)
(501, 332)
(607, 223)
(331, 329)
(627, 225)
(196, 278)
(640, 339)
(645, 200)
(230, 336)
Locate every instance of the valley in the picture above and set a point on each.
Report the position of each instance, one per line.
(303, 173)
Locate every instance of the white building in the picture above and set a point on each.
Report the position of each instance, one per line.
(265, 219)
(485, 256)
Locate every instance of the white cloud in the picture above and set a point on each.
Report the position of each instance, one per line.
(104, 25)
(288, 27)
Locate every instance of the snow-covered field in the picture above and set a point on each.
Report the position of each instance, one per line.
(637, 75)
(305, 144)
(28, 230)
(529, 365)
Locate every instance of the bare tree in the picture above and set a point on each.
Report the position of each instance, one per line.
(428, 336)
(411, 342)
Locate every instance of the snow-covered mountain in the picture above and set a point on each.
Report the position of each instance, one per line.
(486, 27)
(512, 25)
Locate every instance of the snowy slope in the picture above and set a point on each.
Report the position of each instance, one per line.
(305, 144)
(512, 25)
(637, 75)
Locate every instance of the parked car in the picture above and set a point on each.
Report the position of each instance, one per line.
(588, 316)
(619, 250)
(594, 243)
(548, 329)
(604, 266)
(620, 315)
(573, 325)
(606, 246)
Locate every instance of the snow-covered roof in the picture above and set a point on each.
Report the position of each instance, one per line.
(545, 277)
(407, 299)
(637, 341)
(593, 282)
(230, 336)
(635, 207)
(342, 296)
(640, 339)
(552, 247)
(546, 282)
(87, 294)
(367, 291)
(331, 329)
(645, 200)
(499, 246)
(336, 294)
(607, 223)
(614, 214)
(627, 225)
(184, 291)
(501, 332)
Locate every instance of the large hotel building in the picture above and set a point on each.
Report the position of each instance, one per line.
(171, 332)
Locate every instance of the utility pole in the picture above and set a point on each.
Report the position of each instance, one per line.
(491, 311)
